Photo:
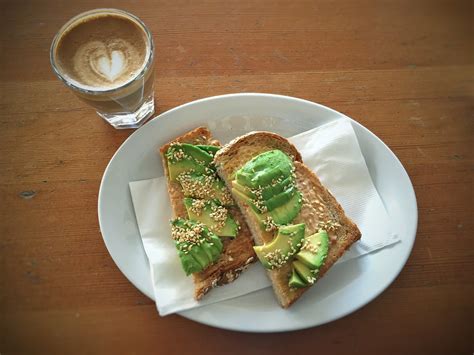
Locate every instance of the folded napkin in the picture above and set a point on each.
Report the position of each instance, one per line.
(331, 150)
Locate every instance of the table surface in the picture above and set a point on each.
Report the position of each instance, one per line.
(403, 69)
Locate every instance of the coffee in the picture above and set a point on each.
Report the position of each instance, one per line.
(106, 57)
(102, 52)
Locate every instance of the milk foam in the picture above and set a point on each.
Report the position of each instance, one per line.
(106, 64)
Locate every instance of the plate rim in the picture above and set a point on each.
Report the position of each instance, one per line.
(386, 282)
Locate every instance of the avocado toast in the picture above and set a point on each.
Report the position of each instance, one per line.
(212, 239)
(299, 228)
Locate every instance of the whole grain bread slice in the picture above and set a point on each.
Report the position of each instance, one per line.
(319, 208)
(237, 253)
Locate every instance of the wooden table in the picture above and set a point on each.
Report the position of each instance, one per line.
(403, 69)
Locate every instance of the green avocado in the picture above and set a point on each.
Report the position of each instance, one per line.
(306, 274)
(205, 186)
(265, 168)
(296, 281)
(195, 153)
(286, 244)
(280, 199)
(185, 157)
(268, 191)
(183, 166)
(242, 189)
(315, 251)
(284, 214)
(203, 210)
(211, 149)
(189, 264)
(212, 251)
(222, 193)
(201, 256)
(196, 257)
(241, 196)
(274, 189)
(244, 179)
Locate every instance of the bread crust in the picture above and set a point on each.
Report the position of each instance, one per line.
(319, 206)
(237, 253)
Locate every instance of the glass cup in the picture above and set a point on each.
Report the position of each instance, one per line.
(126, 106)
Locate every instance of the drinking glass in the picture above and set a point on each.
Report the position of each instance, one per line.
(128, 105)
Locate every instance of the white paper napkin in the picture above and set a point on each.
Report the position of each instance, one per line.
(331, 150)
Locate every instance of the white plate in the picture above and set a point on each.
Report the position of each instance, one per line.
(346, 288)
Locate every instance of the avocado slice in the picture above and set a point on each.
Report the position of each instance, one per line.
(286, 244)
(244, 179)
(185, 157)
(189, 264)
(211, 251)
(264, 168)
(268, 192)
(286, 213)
(241, 196)
(222, 193)
(315, 250)
(197, 256)
(280, 199)
(201, 256)
(243, 189)
(183, 166)
(205, 187)
(296, 281)
(196, 153)
(274, 189)
(305, 273)
(211, 149)
(213, 215)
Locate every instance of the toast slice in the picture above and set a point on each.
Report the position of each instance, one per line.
(237, 253)
(319, 210)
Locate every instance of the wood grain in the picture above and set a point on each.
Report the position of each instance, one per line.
(404, 69)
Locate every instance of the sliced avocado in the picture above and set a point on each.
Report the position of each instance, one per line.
(264, 168)
(202, 211)
(267, 176)
(245, 179)
(241, 196)
(315, 252)
(211, 149)
(186, 157)
(214, 240)
(305, 273)
(197, 154)
(243, 189)
(268, 191)
(205, 187)
(261, 217)
(222, 193)
(194, 255)
(200, 255)
(292, 229)
(177, 168)
(296, 281)
(286, 244)
(189, 264)
(211, 251)
(280, 199)
(284, 214)
(274, 189)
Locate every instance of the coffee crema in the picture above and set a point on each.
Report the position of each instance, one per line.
(102, 51)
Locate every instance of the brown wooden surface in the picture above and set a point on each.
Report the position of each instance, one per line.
(404, 69)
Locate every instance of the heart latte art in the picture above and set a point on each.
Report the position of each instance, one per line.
(100, 64)
(102, 52)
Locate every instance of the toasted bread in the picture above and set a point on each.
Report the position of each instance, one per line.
(237, 253)
(318, 206)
